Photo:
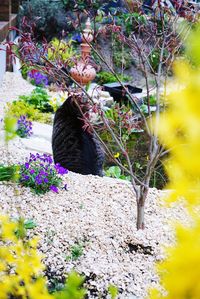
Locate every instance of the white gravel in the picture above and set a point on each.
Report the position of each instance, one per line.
(12, 87)
(99, 213)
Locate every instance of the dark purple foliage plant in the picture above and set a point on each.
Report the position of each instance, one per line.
(41, 175)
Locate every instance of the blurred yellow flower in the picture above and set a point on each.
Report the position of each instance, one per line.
(179, 131)
(20, 257)
(116, 155)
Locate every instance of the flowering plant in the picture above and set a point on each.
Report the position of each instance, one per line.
(37, 78)
(179, 131)
(40, 174)
(24, 127)
(21, 267)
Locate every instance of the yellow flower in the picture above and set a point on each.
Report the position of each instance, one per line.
(22, 257)
(116, 155)
(179, 131)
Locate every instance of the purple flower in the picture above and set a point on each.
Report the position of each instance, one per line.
(38, 78)
(27, 165)
(54, 188)
(26, 177)
(77, 37)
(60, 170)
(39, 174)
(24, 127)
(38, 180)
(42, 172)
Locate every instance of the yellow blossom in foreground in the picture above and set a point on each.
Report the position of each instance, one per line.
(180, 272)
(179, 131)
(20, 265)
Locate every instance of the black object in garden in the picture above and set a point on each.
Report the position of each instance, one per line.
(117, 91)
(73, 147)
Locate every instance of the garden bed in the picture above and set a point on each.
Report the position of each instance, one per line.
(96, 218)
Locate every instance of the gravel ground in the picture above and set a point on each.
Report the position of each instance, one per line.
(100, 214)
(97, 213)
(13, 86)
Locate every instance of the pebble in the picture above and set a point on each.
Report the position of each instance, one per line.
(100, 214)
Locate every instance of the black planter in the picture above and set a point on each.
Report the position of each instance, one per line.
(118, 93)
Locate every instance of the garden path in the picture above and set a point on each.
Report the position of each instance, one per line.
(12, 87)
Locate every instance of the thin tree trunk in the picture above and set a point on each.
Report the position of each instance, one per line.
(140, 215)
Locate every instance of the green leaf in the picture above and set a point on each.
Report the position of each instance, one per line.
(73, 288)
(113, 291)
(10, 127)
(114, 172)
(30, 224)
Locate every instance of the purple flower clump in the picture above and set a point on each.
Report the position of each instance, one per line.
(40, 174)
(24, 127)
(37, 78)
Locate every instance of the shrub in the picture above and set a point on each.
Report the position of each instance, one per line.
(39, 173)
(49, 17)
(122, 58)
(39, 99)
(107, 77)
(18, 108)
(60, 49)
(24, 127)
(21, 268)
(131, 22)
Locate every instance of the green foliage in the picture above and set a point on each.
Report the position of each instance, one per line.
(73, 288)
(23, 226)
(115, 172)
(24, 71)
(107, 77)
(18, 108)
(154, 58)
(131, 22)
(10, 126)
(136, 144)
(39, 99)
(76, 252)
(54, 285)
(62, 50)
(113, 291)
(152, 100)
(8, 173)
(121, 53)
(122, 58)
